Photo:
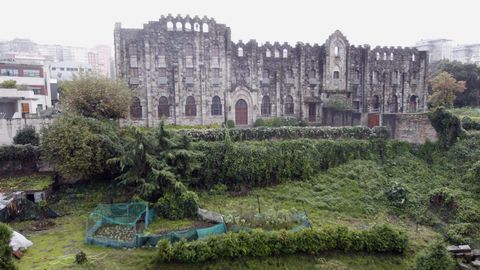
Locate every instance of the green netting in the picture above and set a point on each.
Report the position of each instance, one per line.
(118, 225)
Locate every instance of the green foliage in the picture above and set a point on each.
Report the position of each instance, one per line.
(31, 182)
(448, 126)
(268, 133)
(9, 84)
(265, 163)
(469, 124)
(155, 163)
(27, 135)
(81, 257)
(6, 259)
(24, 153)
(462, 233)
(435, 257)
(177, 206)
(270, 219)
(262, 244)
(93, 95)
(218, 189)
(339, 102)
(230, 123)
(280, 122)
(79, 147)
(396, 194)
(180, 127)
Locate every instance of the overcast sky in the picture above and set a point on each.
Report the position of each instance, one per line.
(374, 22)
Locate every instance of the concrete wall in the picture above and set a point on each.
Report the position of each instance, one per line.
(8, 128)
(411, 127)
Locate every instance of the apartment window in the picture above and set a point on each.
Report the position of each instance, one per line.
(54, 68)
(9, 72)
(62, 69)
(37, 91)
(336, 75)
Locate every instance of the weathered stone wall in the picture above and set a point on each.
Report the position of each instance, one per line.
(180, 58)
(336, 118)
(9, 128)
(410, 127)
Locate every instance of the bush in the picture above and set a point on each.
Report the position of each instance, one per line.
(268, 133)
(259, 243)
(230, 124)
(6, 259)
(177, 206)
(19, 152)
(447, 125)
(280, 122)
(266, 163)
(469, 124)
(462, 233)
(93, 95)
(435, 257)
(27, 135)
(79, 147)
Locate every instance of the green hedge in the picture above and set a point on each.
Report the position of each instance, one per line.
(19, 152)
(268, 133)
(260, 243)
(264, 163)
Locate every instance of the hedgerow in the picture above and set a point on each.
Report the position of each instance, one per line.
(265, 163)
(19, 152)
(259, 243)
(269, 133)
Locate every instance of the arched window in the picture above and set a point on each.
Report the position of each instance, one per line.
(169, 26)
(240, 51)
(336, 51)
(357, 74)
(413, 104)
(394, 106)
(414, 75)
(377, 56)
(216, 106)
(385, 56)
(163, 107)
(413, 57)
(215, 51)
(289, 106)
(268, 53)
(312, 74)
(196, 27)
(179, 26)
(265, 73)
(188, 27)
(205, 27)
(189, 49)
(336, 75)
(395, 77)
(136, 108)
(277, 53)
(391, 56)
(266, 106)
(285, 53)
(376, 103)
(190, 107)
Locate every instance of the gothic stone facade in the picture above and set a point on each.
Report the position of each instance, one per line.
(188, 71)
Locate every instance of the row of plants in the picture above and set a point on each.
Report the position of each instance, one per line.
(280, 122)
(470, 124)
(23, 153)
(272, 133)
(266, 163)
(259, 243)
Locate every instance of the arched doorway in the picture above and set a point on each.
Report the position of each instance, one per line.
(241, 112)
(413, 104)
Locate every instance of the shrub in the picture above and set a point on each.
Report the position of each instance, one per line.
(81, 257)
(396, 194)
(79, 147)
(6, 259)
(27, 135)
(280, 122)
(93, 95)
(462, 233)
(447, 125)
(177, 206)
(268, 133)
(19, 152)
(435, 257)
(218, 189)
(259, 243)
(230, 124)
(469, 124)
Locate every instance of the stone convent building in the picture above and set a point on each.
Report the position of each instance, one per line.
(188, 71)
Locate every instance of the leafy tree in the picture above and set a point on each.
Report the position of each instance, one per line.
(79, 147)
(8, 84)
(27, 135)
(93, 95)
(339, 102)
(470, 73)
(6, 259)
(444, 89)
(155, 164)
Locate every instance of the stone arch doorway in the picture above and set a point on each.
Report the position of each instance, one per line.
(241, 112)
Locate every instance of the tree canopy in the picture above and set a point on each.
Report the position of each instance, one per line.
(444, 89)
(93, 95)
